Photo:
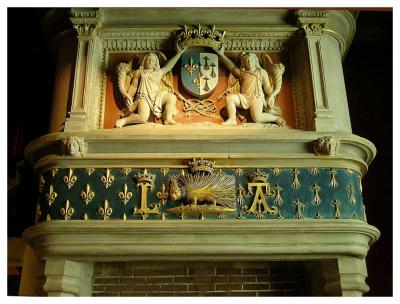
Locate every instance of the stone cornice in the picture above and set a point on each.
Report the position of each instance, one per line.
(156, 146)
(200, 240)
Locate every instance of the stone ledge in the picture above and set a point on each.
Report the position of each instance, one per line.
(213, 241)
(171, 146)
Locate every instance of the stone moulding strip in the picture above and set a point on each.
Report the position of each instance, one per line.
(247, 148)
(182, 240)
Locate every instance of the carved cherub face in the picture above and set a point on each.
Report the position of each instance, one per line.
(72, 146)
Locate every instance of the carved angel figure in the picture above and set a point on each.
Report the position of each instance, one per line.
(146, 91)
(254, 90)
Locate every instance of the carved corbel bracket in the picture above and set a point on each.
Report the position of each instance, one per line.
(328, 145)
(312, 21)
(74, 145)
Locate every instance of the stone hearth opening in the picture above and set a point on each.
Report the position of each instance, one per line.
(274, 278)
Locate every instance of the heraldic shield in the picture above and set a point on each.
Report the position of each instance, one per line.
(199, 73)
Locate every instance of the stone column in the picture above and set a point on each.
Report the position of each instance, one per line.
(325, 85)
(85, 23)
(68, 278)
(346, 277)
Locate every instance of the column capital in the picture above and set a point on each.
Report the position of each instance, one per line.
(85, 21)
(313, 22)
(340, 24)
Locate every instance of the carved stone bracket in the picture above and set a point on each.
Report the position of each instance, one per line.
(74, 145)
(328, 145)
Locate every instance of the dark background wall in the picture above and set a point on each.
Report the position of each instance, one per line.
(368, 76)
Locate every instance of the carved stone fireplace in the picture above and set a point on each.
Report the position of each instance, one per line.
(154, 208)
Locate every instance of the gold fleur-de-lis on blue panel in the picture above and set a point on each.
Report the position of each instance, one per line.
(70, 179)
(296, 183)
(333, 183)
(89, 171)
(67, 211)
(51, 196)
(105, 211)
(108, 179)
(87, 195)
(162, 195)
(54, 172)
(126, 195)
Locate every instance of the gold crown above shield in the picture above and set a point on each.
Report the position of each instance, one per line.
(200, 35)
(201, 165)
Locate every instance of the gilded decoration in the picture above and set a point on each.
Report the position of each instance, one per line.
(145, 181)
(70, 179)
(299, 213)
(204, 191)
(336, 210)
(87, 195)
(296, 182)
(105, 211)
(260, 206)
(333, 183)
(278, 200)
(352, 199)
(67, 211)
(107, 179)
(162, 195)
(316, 198)
(125, 196)
(51, 196)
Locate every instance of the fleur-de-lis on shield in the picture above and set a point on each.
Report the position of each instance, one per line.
(191, 66)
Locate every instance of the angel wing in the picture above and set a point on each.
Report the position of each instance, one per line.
(275, 72)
